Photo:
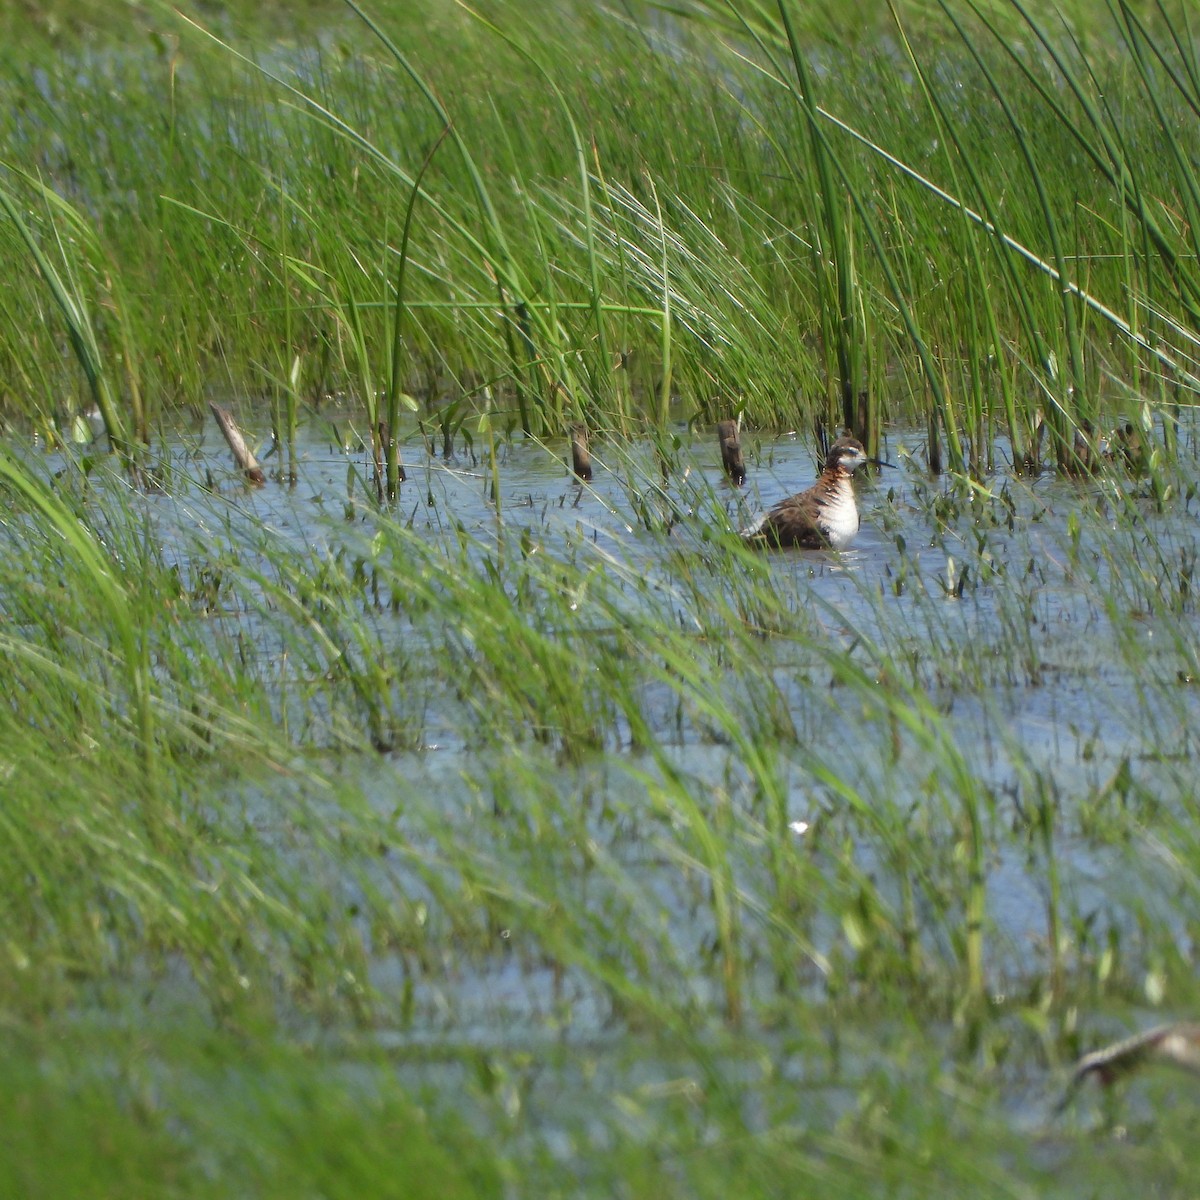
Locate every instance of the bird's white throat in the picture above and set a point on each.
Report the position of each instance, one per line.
(839, 514)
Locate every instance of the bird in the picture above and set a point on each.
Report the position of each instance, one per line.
(1176, 1045)
(1131, 448)
(1088, 449)
(822, 518)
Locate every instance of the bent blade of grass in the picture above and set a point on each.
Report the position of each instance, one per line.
(508, 273)
(850, 336)
(1108, 157)
(585, 178)
(393, 469)
(1062, 432)
(932, 375)
(949, 130)
(99, 571)
(80, 329)
(1139, 41)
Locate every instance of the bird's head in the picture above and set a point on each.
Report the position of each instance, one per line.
(846, 454)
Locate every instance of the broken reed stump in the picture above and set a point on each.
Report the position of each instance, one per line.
(581, 459)
(246, 461)
(731, 451)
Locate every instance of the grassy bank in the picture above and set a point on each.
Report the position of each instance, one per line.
(974, 221)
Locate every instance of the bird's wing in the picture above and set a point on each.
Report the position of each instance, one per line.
(788, 523)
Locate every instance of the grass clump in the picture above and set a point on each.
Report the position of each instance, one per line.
(703, 218)
(201, 1115)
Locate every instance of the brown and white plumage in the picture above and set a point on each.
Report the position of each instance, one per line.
(825, 516)
(1175, 1045)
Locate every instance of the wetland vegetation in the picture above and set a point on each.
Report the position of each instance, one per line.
(477, 832)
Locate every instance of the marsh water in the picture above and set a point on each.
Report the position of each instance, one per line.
(1003, 605)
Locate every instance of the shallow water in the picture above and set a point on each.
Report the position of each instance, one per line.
(1039, 670)
(1063, 694)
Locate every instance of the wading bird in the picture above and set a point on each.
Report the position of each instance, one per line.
(1175, 1045)
(826, 515)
